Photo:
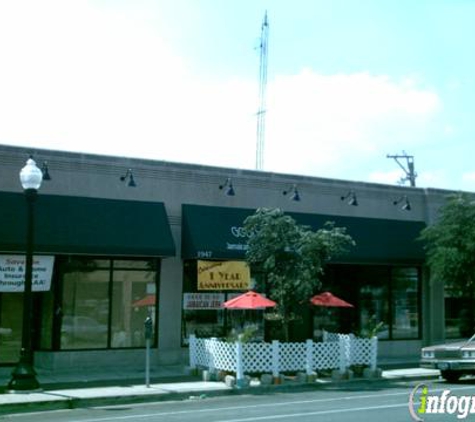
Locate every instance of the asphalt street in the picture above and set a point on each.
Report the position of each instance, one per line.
(358, 402)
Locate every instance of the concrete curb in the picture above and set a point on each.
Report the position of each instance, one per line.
(81, 402)
(58, 401)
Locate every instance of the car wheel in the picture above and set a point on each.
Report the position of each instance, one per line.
(451, 376)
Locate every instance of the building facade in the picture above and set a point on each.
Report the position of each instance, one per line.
(107, 255)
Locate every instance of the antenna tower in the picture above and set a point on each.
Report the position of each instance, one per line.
(261, 112)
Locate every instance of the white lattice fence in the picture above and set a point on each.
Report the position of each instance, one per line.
(212, 353)
(257, 357)
(292, 356)
(279, 357)
(223, 355)
(346, 343)
(199, 357)
(326, 355)
(363, 351)
(357, 351)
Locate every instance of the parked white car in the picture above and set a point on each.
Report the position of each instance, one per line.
(82, 327)
(453, 359)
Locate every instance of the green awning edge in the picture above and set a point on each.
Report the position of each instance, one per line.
(80, 225)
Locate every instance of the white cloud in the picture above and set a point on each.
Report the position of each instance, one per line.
(79, 78)
(437, 178)
(469, 177)
(76, 77)
(468, 181)
(333, 119)
(449, 130)
(389, 177)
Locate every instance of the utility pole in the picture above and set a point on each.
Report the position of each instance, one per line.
(409, 170)
(261, 112)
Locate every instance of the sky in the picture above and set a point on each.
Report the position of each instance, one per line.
(349, 82)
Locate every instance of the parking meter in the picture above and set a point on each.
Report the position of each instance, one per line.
(148, 328)
(148, 324)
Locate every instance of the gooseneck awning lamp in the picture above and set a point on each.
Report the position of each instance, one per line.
(406, 205)
(130, 177)
(351, 199)
(45, 171)
(228, 187)
(293, 192)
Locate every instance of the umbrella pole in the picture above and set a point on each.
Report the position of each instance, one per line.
(225, 322)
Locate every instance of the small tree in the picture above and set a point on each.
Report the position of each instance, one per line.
(450, 247)
(450, 243)
(292, 257)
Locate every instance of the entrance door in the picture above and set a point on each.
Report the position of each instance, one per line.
(11, 318)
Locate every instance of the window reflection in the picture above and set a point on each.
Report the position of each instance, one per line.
(85, 310)
(384, 295)
(374, 301)
(133, 264)
(203, 315)
(203, 323)
(133, 299)
(88, 305)
(405, 303)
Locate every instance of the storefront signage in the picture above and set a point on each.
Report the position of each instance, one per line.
(240, 233)
(202, 301)
(12, 273)
(225, 275)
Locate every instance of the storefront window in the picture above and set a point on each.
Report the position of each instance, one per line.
(105, 303)
(204, 316)
(405, 316)
(85, 310)
(386, 297)
(47, 316)
(125, 264)
(373, 305)
(203, 323)
(133, 299)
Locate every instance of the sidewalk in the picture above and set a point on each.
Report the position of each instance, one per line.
(76, 389)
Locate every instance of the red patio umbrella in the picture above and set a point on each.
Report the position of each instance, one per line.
(148, 300)
(249, 300)
(328, 299)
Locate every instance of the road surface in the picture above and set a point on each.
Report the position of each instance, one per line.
(355, 402)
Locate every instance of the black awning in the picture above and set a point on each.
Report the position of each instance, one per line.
(216, 233)
(78, 225)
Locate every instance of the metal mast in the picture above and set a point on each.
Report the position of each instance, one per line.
(261, 112)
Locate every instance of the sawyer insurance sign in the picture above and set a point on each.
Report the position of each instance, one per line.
(12, 273)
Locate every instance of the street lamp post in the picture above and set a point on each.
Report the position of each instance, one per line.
(24, 375)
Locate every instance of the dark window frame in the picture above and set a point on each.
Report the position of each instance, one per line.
(58, 287)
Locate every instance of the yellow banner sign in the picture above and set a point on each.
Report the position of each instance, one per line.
(226, 275)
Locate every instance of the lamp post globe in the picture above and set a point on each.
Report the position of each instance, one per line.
(24, 376)
(31, 176)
